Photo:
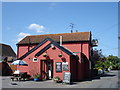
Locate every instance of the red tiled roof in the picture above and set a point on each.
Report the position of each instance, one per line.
(66, 37)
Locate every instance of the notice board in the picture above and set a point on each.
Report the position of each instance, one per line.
(67, 77)
(58, 66)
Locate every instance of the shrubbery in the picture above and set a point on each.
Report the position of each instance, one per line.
(109, 62)
(56, 79)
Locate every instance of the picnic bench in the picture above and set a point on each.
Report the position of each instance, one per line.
(20, 76)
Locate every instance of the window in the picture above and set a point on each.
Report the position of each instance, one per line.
(65, 66)
(35, 59)
(58, 66)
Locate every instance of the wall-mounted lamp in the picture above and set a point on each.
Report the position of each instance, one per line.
(52, 46)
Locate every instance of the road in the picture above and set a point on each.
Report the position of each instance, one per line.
(109, 80)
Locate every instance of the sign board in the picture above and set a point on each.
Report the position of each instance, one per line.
(65, 66)
(58, 66)
(66, 77)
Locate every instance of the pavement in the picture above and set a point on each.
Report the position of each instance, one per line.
(108, 80)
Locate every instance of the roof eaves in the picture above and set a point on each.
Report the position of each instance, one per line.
(63, 49)
(57, 45)
(44, 49)
(33, 49)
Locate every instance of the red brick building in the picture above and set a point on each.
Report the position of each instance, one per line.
(53, 54)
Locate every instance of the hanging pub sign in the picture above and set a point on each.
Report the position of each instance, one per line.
(65, 66)
(58, 66)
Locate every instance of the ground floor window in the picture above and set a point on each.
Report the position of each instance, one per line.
(58, 66)
(65, 66)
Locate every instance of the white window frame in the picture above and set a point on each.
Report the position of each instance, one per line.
(34, 60)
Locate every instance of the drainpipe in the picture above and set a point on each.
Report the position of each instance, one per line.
(17, 51)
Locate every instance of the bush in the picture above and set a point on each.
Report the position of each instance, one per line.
(36, 75)
(99, 65)
(116, 67)
(56, 79)
(108, 62)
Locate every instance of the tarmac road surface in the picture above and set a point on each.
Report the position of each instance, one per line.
(108, 80)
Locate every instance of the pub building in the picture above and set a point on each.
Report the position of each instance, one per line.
(51, 55)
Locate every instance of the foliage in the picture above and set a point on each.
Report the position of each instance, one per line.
(116, 67)
(97, 55)
(113, 59)
(97, 59)
(110, 61)
(56, 79)
(4, 60)
(36, 75)
(44, 54)
(114, 62)
(60, 55)
(107, 64)
(99, 65)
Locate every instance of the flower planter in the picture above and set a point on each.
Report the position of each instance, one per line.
(59, 55)
(56, 79)
(36, 79)
(44, 54)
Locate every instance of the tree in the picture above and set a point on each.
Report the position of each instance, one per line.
(97, 55)
(97, 59)
(119, 37)
(114, 61)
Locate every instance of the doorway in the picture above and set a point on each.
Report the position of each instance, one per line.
(47, 69)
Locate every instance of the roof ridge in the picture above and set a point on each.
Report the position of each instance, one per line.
(67, 37)
(57, 34)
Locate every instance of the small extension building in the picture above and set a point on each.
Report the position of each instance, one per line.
(51, 55)
(7, 53)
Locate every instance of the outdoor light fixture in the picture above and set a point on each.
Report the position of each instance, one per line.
(94, 42)
(52, 46)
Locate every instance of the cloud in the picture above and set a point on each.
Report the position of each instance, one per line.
(38, 28)
(21, 36)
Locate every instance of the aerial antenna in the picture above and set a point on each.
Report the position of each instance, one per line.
(72, 26)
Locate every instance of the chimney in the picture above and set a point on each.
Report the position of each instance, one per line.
(76, 30)
(60, 40)
(71, 31)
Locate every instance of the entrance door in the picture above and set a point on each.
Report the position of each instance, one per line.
(47, 69)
